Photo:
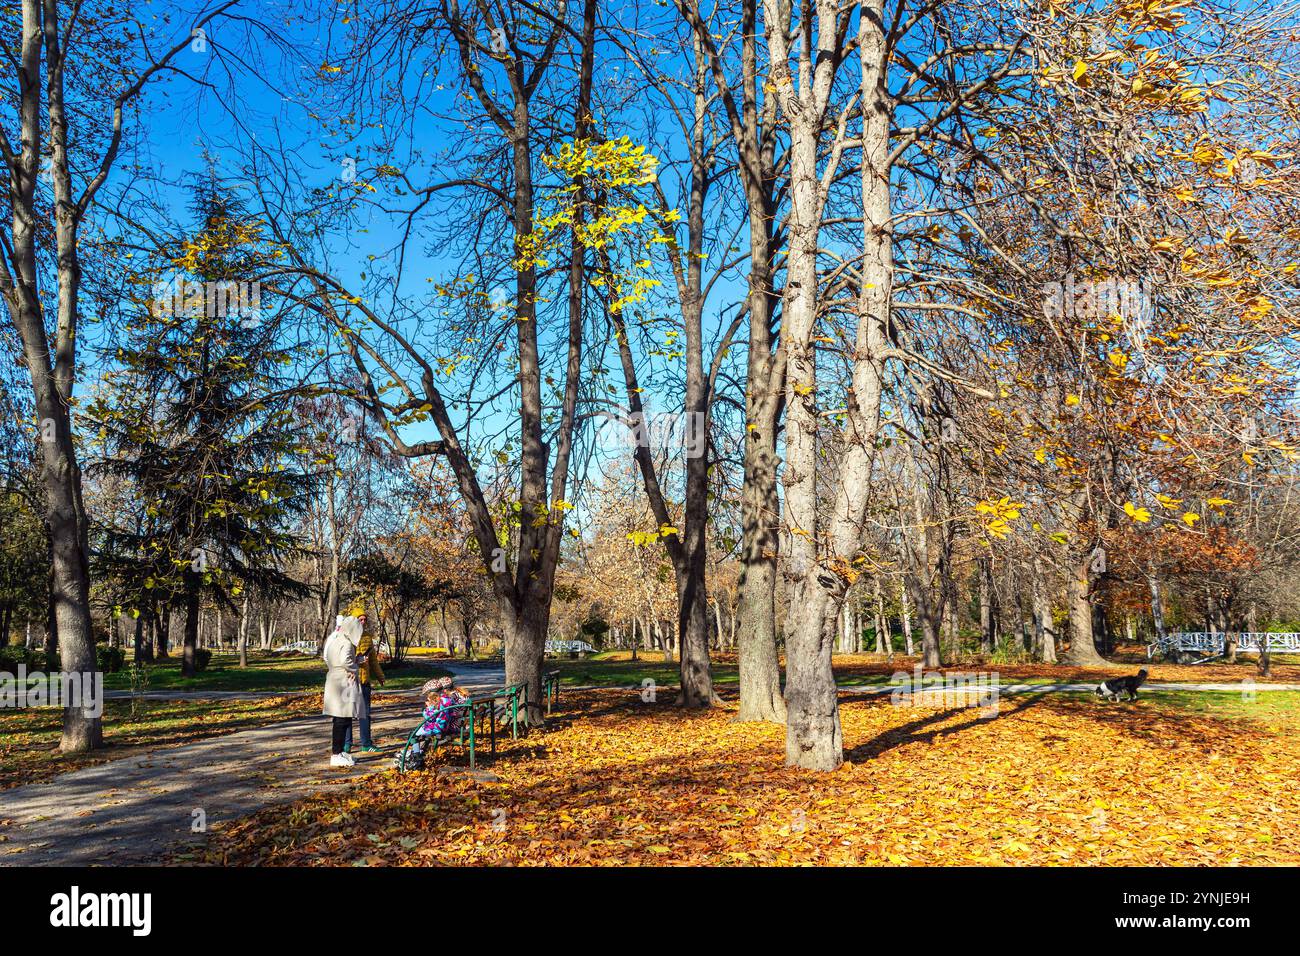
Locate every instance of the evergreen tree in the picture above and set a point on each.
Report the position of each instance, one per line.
(199, 419)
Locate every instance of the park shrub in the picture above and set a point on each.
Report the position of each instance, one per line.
(40, 661)
(202, 657)
(1011, 650)
(11, 657)
(109, 659)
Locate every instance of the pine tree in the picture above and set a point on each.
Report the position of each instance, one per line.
(199, 419)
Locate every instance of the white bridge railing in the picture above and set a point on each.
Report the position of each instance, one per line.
(1215, 642)
(569, 647)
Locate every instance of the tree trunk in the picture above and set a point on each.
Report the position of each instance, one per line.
(951, 616)
(189, 650)
(1157, 604)
(693, 618)
(907, 620)
(1082, 650)
(163, 639)
(880, 637)
(754, 632)
(52, 366)
(813, 738)
(525, 646)
(929, 619)
(882, 622)
(243, 634)
(139, 639)
(1044, 626)
(988, 616)
(1264, 665)
(51, 624)
(759, 664)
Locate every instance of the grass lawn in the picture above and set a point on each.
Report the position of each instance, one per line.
(1278, 710)
(265, 672)
(1053, 779)
(29, 738)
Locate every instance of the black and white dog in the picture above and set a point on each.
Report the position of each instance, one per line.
(1117, 687)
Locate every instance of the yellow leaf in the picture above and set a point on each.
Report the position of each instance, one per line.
(1141, 515)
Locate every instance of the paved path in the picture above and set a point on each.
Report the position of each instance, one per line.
(133, 809)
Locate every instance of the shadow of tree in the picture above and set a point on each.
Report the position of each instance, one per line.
(915, 731)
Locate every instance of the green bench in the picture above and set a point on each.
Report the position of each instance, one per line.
(551, 689)
(479, 710)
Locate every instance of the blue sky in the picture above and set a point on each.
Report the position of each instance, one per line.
(232, 90)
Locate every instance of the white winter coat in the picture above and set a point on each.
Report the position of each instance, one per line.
(342, 692)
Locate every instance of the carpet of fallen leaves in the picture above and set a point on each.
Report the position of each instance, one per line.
(29, 738)
(1052, 780)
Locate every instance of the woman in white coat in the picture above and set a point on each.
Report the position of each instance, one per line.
(342, 691)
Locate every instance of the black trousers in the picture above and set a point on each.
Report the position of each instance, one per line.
(341, 727)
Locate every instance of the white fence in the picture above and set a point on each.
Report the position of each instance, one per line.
(569, 647)
(1215, 642)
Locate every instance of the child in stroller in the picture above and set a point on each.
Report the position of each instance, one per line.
(441, 720)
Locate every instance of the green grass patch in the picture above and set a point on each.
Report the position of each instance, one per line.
(1276, 708)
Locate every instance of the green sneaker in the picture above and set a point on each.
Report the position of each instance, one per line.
(347, 748)
(370, 750)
